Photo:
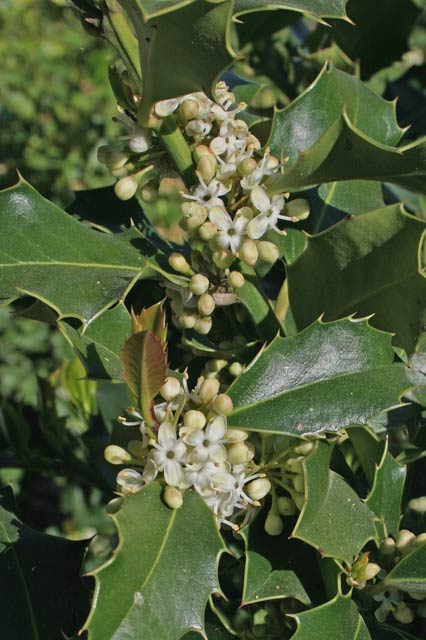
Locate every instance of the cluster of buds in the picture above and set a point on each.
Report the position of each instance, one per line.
(191, 446)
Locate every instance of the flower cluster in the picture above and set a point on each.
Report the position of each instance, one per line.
(191, 446)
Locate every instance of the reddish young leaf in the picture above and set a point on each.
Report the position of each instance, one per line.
(151, 319)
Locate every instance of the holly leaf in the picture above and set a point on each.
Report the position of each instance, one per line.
(314, 8)
(99, 345)
(386, 494)
(152, 319)
(409, 574)
(203, 24)
(368, 264)
(144, 360)
(43, 596)
(334, 519)
(338, 619)
(158, 581)
(328, 377)
(47, 254)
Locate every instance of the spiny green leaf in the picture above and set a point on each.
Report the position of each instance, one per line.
(42, 594)
(152, 319)
(317, 8)
(409, 575)
(157, 584)
(338, 619)
(48, 254)
(367, 264)
(144, 369)
(326, 378)
(334, 519)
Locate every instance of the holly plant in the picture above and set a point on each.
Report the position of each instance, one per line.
(248, 304)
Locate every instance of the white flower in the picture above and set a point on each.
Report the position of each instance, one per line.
(269, 209)
(232, 139)
(389, 599)
(140, 138)
(208, 442)
(262, 171)
(201, 476)
(130, 481)
(231, 231)
(198, 129)
(170, 454)
(209, 195)
(164, 108)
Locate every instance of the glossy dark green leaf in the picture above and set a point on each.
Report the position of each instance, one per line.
(409, 575)
(47, 254)
(326, 378)
(99, 345)
(317, 8)
(334, 519)
(259, 307)
(42, 594)
(157, 584)
(367, 264)
(386, 494)
(338, 619)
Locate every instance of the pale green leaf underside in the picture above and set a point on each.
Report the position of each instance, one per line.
(326, 378)
(158, 582)
(317, 8)
(338, 619)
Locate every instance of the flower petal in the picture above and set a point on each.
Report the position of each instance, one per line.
(166, 435)
(173, 473)
(257, 227)
(166, 107)
(220, 218)
(216, 429)
(260, 199)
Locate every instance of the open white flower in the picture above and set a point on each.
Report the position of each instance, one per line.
(262, 171)
(209, 195)
(208, 442)
(270, 212)
(170, 454)
(388, 599)
(231, 231)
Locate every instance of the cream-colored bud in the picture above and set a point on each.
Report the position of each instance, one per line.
(297, 209)
(236, 279)
(420, 540)
(216, 364)
(236, 435)
(130, 480)
(178, 263)
(198, 284)
(170, 389)
(194, 214)
(203, 325)
(259, 488)
(103, 153)
(304, 449)
(173, 497)
(208, 390)
(194, 419)
(273, 524)
(207, 231)
(371, 571)
(223, 258)
(404, 540)
(148, 194)
(268, 251)
(236, 369)
(387, 547)
(299, 499)
(248, 252)
(137, 449)
(125, 188)
(187, 320)
(418, 505)
(207, 167)
(200, 151)
(286, 506)
(116, 455)
(206, 304)
(403, 614)
(295, 465)
(189, 108)
(247, 166)
(117, 159)
(247, 212)
(416, 595)
(223, 404)
(239, 453)
(299, 483)
(272, 162)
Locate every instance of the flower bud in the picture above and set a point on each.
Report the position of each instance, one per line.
(137, 449)
(216, 364)
(268, 251)
(247, 166)
(246, 212)
(286, 506)
(223, 258)
(299, 499)
(189, 108)
(170, 389)
(173, 497)
(207, 167)
(148, 194)
(187, 320)
(273, 524)
(403, 614)
(235, 369)
(208, 390)
(207, 231)
(117, 159)
(200, 151)
(125, 188)
(418, 505)
(272, 162)
(140, 140)
(297, 209)
(206, 304)
(416, 595)
(420, 540)
(404, 540)
(387, 547)
(116, 455)
(236, 279)
(299, 483)
(259, 488)
(236, 435)
(248, 252)
(304, 449)
(371, 571)
(194, 214)
(130, 480)
(198, 284)
(178, 263)
(239, 453)
(223, 404)
(194, 419)
(294, 465)
(239, 341)
(203, 325)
